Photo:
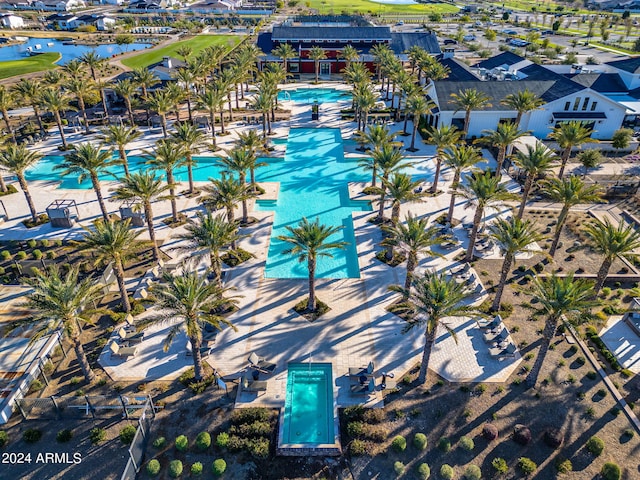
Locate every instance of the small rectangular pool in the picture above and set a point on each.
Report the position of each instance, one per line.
(309, 422)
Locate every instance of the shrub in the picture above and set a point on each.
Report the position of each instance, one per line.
(21, 255)
(358, 447)
(602, 392)
(610, 471)
(521, 435)
(203, 440)
(399, 444)
(64, 435)
(591, 375)
(553, 438)
(444, 444)
(490, 432)
(196, 469)
(258, 447)
(420, 441)
(526, 465)
(399, 468)
(37, 254)
(563, 465)
(127, 434)
(159, 442)
(219, 467)
(472, 472)
(467, 443)
(175, 468)
(250, 415)
(97, 435)
(32, 435)
(5, 254)
(4, 438)
(153, 467)
(424, 472)
(31, 243)
(500, 465)
(222, 440)
(595, 446)
(182, 443)
(374, 415)
(355, 429)
(446, 472)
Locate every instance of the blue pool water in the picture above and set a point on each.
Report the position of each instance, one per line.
(68, 52)
(310, 95)
(308, 408)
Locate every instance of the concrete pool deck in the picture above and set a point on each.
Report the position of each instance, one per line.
(358, 329)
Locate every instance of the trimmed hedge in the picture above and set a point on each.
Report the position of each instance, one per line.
(399, 444)
(420, 441)
(175, 468)
(127, 434)
(203, 441)
(527, 466)
(424, 472)
(219, 466)
(610, 471)
(153, 467)
(182, 443)
(446, 472)
(595, 446)
(472, 472)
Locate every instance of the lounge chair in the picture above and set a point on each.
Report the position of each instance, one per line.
(499, 352)
(486, 324)
(118, 351)
(359, 371)
(260, 364)
(250, 385)
(461, 269)
(130, 337)
(498, 336)
(364, 388)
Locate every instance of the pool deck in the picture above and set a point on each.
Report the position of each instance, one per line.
(355, 331)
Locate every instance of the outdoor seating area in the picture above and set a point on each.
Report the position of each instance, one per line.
(260, 364)
(61, 213)
(249, 384)
(496, 334)
(465, 274)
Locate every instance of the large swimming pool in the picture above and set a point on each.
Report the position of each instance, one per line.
(311, 95)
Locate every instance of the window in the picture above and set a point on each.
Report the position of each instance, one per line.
(566, 106)
(593, 106)
(576, 104)
(585, 103)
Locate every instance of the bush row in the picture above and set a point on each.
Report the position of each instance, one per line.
(592, 334)
(176, 468)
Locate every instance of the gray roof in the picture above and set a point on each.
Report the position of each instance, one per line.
(631, 65)
(401, 42)
(286, 33)
(505, 58)
(600, 82)
(458, 71)
(562, 86)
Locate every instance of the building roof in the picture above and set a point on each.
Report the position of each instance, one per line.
(631, 65)
(458, 71)
(288, 33)
(562, 86)
(505, 58)
(600, 82)
(264, 42)
(401, 42)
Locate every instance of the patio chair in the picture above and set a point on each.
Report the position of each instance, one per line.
(499, 352)
(498, 336)
(130, 337)
(253, 386)
(359, 371)
(260, 364)
(486, 324)
(363, 389)
(464, 268)
(118, 351)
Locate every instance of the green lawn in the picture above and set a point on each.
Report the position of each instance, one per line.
(364, 6)
(196, 43)
(37, 63)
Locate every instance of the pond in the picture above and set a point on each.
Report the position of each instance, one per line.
(69, 52)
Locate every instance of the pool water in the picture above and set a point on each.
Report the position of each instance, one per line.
(68, 52)
(308, 408)
(311, 95)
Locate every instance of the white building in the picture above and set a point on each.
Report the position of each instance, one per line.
(58, 5)
(10, 20)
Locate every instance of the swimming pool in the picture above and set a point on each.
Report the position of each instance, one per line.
(311, 95)
(308, 418)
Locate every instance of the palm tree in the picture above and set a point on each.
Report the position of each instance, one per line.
(208, 236)
(611, 242)
(120, 136)
(82, 89)
(364, 99)
(376, 137)
(190, 139)
(443, 137)
(194, 302)
(211, 100)
(482, 191)
(55, 101)
(111, 242)
(176, 95)
(316, 54)
(285, 51)
(309, 241)
(161, 102)
(74, 69)
(262, 102)
(186, 80)
(143, 187)
(144, 79)
(167, 156)
(435, 298)
(468, 100)
(95, 62)
(88, 160)
(251, 141)
(184, 51)
(502, 137)
(534, 163)
(29, 92)
(52, 78)
(65, 302)
(559, 298)
(225, 192)
(512, 237)
(569, 135)
(126, 89)
(414, 237)
(569, 192)
(522, 102)
(350, 54)
(417, 105)
(459, 159)
(17, 159)
(590, 158)
(401, 188)
(388, 160)
(239, 160)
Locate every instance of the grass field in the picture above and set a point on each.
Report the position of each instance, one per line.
(364, 6)
(196, 43)
(37, 63)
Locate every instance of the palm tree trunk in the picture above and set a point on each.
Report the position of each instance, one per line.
(602, 273)
(374, 175)
(311, 303)
(452, 203)
(5, 116)
(412, 263)
(550, 327)
(127, 101)
(317, 68)
(245, 212)
(565, 158)
(189, 112)
(237, 96)
(413, 137)
(37, 114)
(404, 127)
(163, 123)
(556, 237)
(190, 172)
(436, 176)
(467, 120)
(506, 267)
(214, 260)
(60, 129)
(501, 154)
(264, 126)
(96, 187)
(268, 124)
(198, 371)
(123, 159)
(525, 193)
(518, 119)
(89, 376)
(148, 212)
(230, 106)
(222, 121)
(172, 194)
(3, 186)
(429, 340)
(212, 119)
(252, 176)
(477, 217)
(83, 111)
(381, 202)
(118, 271)
(25, 189)
(103, 97)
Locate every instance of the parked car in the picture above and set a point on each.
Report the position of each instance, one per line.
(450, 41)
(510, 32)
(469, 38)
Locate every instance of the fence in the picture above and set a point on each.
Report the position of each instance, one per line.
(79, 407)
(139, 443)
